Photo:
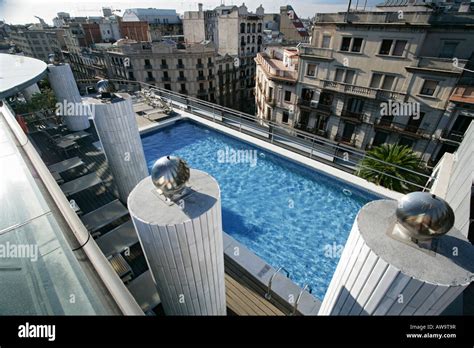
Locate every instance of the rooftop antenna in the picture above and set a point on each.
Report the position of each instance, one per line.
(348, 10)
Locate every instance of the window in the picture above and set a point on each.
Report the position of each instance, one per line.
(168, 86)
(253, 38)
(339, 75)
(382, 81)
(248, 38)
(259, 27)
(429, 87)
(357, 45)
(248, 27)
(242, 28)
(448, 49)
(287, 96)
(149, 74)
(388, 82)
(307, 94)
(147, 62)
(210, 72)
(380, 138)
(386, 47)
(181, 74)
(394, 48)
(349, 78)
(355, 105)
(253, 28)
(270, 93)
(352, 44)
(199, 61)
(163, 62)
(326, 41)
(183, 87)
(209, 60)
(399, 48)
(165, 74)
(405, 141)
(201, 73)
(269, 114)
(180, 61)
(285, 117)
(376, 79)
(311, 70)
(414, 123)
(346, 43)
(201, 86)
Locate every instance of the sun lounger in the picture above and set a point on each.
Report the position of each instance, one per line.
(76, 136)
(144, 290)
(118, 239)
(65, 165)
(104, 215)
(81, 184)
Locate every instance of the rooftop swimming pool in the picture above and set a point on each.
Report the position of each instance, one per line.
(286, 213)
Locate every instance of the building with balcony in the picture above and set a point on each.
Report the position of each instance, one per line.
(362, 63)
(275, 91)
(196, 70)
(37, 43)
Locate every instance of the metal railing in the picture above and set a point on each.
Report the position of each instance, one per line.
(295, 308)
(268, 294)
(276, 133)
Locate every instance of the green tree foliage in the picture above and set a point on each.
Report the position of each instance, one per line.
(386, 173)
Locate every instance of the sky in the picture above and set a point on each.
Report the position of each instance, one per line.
(23, 11)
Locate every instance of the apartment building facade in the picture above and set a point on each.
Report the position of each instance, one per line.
(37, 43)
(276, 87)
(236, 32)
(369, 78)
(196, 70)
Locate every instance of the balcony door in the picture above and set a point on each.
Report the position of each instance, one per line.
(348, 132)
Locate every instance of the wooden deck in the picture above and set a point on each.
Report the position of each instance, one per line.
(242, 300)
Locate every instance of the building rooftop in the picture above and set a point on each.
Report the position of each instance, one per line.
(24, 72)
(388, 18)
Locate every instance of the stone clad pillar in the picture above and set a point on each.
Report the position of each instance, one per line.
(118, 132)
(384, 272)
(183, 244)
(66, 91)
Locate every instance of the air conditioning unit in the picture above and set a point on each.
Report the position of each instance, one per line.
(314, 103)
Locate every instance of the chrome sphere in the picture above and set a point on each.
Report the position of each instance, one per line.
(104, 86)
(53, 58)
(424, 216)
(170, 175)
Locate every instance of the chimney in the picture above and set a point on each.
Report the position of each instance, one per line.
(200, 7)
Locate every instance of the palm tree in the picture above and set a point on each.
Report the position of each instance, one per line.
(378, 166)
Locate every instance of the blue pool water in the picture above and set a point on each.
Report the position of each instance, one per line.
(287, 214)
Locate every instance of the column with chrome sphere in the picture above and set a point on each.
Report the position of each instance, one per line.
(401, 258)
(177, 215)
